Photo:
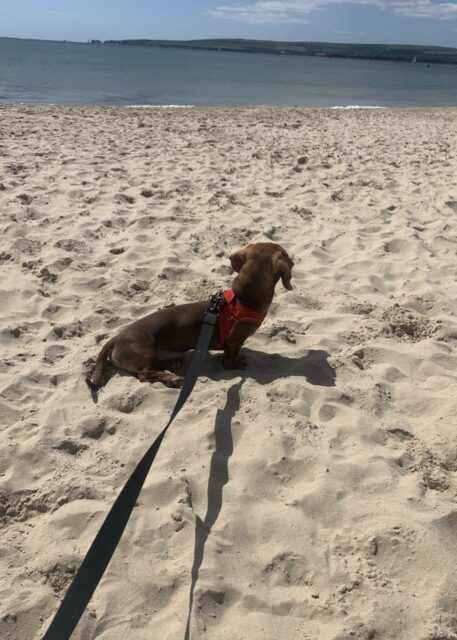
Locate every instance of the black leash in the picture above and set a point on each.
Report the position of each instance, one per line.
(104, 545)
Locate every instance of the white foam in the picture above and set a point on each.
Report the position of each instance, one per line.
(160, 106)
(358, 106)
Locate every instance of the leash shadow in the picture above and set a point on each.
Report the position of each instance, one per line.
(268, 367)
(218, 478)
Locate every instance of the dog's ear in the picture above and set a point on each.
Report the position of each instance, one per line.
(283, 266)
(238, 259)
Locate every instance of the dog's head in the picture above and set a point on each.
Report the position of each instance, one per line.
(281, 263)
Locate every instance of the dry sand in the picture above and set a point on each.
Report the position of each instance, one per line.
(313, 496)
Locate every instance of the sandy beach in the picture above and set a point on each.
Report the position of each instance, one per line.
(312, 496)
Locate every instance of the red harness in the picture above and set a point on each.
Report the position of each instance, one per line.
(231, 313)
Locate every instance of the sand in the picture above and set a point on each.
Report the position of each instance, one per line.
(312, 496)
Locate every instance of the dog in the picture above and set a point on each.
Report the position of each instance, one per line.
(167, 334)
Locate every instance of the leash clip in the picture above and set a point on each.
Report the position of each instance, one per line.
(215, 301)
(211, 312)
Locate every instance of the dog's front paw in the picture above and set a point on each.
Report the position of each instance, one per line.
(240, 362)
(174, 382)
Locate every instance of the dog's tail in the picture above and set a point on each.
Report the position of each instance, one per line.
(95, 380)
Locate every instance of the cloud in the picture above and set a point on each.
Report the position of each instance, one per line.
(283, 11)
(426, 9)
(260, 12)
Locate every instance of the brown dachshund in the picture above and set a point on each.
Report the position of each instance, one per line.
(167, 334)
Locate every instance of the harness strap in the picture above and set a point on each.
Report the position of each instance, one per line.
(233, 312)
(104, 545)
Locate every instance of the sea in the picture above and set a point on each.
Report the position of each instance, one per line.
(34, 71)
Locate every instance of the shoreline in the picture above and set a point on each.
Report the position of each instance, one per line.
(247, 107)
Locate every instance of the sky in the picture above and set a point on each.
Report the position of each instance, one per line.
(368, 21)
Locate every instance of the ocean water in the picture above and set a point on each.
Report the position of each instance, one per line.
(74, 73)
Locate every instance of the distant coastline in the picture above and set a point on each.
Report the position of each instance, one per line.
(421, 54)
(385, 52)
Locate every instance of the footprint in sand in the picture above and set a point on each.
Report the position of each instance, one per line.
(70, 244)
(70, 447)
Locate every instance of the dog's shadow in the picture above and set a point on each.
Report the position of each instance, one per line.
(262, 367)
(268, 367)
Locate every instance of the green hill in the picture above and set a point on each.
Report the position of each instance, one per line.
(398, 52)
